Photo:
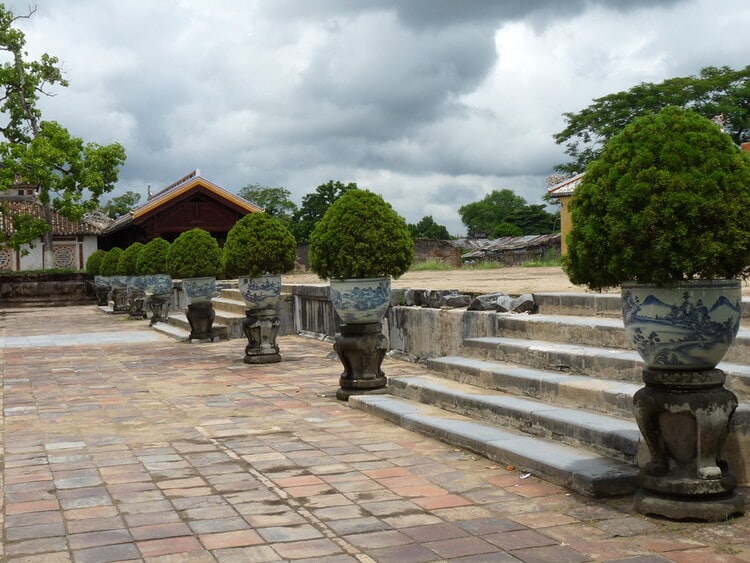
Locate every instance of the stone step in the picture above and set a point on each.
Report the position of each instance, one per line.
(578, 469)
(180, 327)
(615, 437)
(605, 332)
(228, 305)
(599, 395)
(598, 304)
(604, 363)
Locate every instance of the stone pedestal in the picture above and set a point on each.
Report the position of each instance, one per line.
(102, 295)
(136, 300)
(159, 305)
(120, 300)
(261, 328)
(684, 418)
(201, 315)
(361, 348)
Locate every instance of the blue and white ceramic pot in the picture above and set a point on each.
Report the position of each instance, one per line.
(685, 327)
(158, 284)
(118, 282)
(361, 300)
(261, 292)
(199, 290)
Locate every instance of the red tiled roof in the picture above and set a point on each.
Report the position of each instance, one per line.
(60, 224)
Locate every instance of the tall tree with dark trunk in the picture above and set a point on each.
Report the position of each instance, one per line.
(69, 175)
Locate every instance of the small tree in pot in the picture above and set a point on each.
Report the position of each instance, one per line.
(110, 267)
(258, 249)
(101, 285)
(128, 265)
(152, 264)
(663, 212)
(361, 243)
(195, 258)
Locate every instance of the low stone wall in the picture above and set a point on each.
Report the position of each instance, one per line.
(46, 290)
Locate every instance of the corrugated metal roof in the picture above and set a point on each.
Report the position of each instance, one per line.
(566, 187)
(509, 244)
(61, 225)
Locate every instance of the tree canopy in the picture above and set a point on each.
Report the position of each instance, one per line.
(275, 201)
(426, 227)
(716, 91)
(314, 206)
(69, 175)
(503, 213)
(120, 205)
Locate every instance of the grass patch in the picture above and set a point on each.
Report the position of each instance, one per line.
(428, 265)
(485, 265)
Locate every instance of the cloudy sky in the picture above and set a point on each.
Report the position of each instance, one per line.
(430, 103)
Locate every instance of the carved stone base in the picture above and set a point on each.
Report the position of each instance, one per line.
(135, 304)
(361, 349)
(159, 305)
(120, 300)
(684, 418)
(261, 328)
(201, 318)
(102, 295)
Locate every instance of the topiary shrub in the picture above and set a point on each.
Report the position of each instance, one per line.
(258, 244)
(153, 258)
(666, 201)
(128, 264)
(110, 265)
(194, 254)
(94, 262)
(360, 236)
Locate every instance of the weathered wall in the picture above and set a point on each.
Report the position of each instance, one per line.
(28, 290)
(426, 250)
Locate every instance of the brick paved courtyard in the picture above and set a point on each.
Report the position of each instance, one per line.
(120, 444)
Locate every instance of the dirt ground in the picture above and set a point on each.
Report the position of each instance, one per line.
(513, 281)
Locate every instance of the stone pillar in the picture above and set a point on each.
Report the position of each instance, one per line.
(102, 295)
(120, 300)
(136, 297)
(684, 418)
(159, 305)
(261, 328)
(201, 315)
(361, 348)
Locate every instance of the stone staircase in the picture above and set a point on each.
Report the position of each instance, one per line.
(230, 312)
(551, 394)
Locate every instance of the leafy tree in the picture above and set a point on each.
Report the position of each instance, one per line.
(428, 228)
(69, 175)
(94, 262)
(110, 264)
(153, 258)
(128, 263)
(275, 201)
(715, 92)
(314, 206)
(121, 204)
(505, 214)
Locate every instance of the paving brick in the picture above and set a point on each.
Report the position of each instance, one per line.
(222, 540)
(168, 546)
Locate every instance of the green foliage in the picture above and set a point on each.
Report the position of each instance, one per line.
(275, 201)
(94, 262)
(110, 265)
(361, 236)
(716, 91)
(153, 258)
(26, 230)
(502, 213)
(667, 200)
(259, 244)
(314, 206)
(128, 264)
(429, 229)
(121, 205)
(70, 175)
(194, 254)
(485, 265)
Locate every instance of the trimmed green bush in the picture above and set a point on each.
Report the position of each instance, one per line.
(259, 244)
(110, 265)
(94, 262)
(360, 236)
(667, 200)
(128, 264)
(194, 254)
(153, 258)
